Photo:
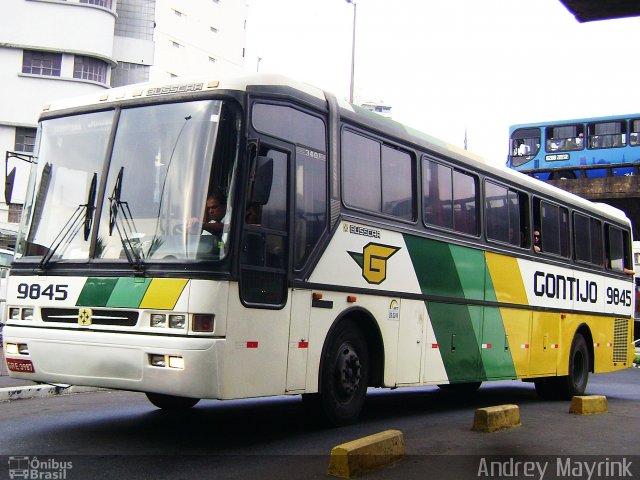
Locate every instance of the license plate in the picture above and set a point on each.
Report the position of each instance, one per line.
(20, 365)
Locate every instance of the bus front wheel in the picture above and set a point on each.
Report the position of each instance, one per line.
(344, 376)
(171, 402)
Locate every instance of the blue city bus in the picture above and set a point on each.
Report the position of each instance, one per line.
(582, 148)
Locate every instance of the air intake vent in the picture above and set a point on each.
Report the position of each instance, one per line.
(122, 318)
(620, 340)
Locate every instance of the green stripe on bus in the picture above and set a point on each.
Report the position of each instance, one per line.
(457, 329)
(96, 292)
(471, 339)
(128, 292)
(434, 267)
(470, 266)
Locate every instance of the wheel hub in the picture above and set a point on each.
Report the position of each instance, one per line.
(348, 369)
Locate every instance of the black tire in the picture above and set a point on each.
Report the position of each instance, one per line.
(171, 402)
(468, 388)
(565, 387)
(576, 382)
(344, 377)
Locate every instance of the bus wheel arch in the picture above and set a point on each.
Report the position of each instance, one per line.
(351, 360)
(580, 362)
(367, 324)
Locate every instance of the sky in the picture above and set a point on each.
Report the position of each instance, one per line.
(450, 66)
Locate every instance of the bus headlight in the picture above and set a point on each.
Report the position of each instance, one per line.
(14, 313)
(158, 320)
(177, 321)
(27, 314)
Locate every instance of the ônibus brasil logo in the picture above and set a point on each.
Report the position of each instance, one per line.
(373, 261)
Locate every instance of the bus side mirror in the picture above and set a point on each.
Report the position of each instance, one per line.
(262, 181)
(8, 185)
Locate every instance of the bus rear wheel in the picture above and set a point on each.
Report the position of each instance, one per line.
(344, 376)
(171, 402)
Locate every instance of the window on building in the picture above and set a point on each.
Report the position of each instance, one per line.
(136, 19)
(25, 139)
(99, 3)
(88, 68)
(587, 234)
(449, 198)
(15, 213)
(41, 63)
(128, 73)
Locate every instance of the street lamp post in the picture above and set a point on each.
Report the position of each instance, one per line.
(353, 49)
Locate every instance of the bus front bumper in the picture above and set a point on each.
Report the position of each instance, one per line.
(174, 365)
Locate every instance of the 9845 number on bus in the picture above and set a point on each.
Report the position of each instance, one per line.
(35, 291)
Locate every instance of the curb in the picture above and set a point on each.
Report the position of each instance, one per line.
(38, 391)
(589, 405)
(366, 454)
(492, 419)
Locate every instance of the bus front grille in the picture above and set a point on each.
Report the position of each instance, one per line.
(620, 340)
(121, 318)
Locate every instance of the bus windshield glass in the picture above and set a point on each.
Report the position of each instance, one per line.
(166, 161)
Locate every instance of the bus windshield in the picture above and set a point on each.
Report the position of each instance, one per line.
(151, 205)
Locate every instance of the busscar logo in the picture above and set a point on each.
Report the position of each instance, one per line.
(373, 261)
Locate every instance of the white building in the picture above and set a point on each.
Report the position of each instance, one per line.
(61, 48)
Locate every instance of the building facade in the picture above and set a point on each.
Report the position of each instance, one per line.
(61, 48)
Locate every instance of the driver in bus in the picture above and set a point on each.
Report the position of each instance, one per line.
(214, 217)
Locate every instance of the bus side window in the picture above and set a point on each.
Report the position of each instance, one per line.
(617, 249)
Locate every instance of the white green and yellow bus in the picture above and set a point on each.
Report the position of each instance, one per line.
(354, 252)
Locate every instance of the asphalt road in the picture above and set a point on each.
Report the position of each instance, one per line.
(120, 435)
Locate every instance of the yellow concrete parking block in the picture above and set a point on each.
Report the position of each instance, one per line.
(365, 454)
(500, 417)
(589, 405)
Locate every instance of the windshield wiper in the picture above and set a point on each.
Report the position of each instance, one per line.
(70, 229)
(116, 207)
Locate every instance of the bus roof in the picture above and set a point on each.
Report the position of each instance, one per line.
(177, 86)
